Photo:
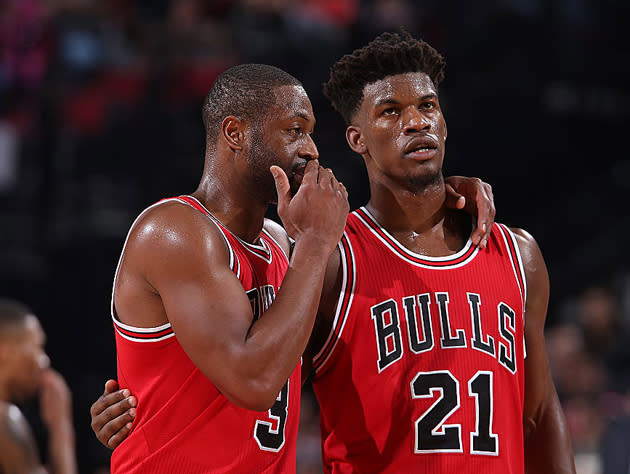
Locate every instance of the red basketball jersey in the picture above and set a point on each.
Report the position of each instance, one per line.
(423, 369)
(183, 423)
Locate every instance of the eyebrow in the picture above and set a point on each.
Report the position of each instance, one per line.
(388, 100)
(304, 116)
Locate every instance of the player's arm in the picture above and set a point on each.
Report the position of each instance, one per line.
(325, 313)
(18, 451)
(547, 443)
(55, 402)
(184, 259)
(476, 198)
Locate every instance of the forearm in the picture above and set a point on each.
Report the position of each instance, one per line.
(276, 341)
(61, 448)
(547, 443)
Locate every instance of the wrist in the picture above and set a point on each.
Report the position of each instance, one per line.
(312, 251)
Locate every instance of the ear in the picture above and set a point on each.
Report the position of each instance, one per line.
(233, 132)
(355, 139)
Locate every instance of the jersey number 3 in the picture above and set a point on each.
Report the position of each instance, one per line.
(268, 437)
(433, 435)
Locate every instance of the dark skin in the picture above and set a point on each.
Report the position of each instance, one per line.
(175, 267)
(113, 412)
(24, 373)
(400, 113)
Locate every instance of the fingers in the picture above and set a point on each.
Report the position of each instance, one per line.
(119, 436)
(476, 198)
(454, 200)
(112, 415)
(342, 189)
(485, 215)
(283, 188)
(110, 386)
(311, 173)
(327, 177)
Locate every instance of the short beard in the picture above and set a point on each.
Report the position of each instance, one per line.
(419, 184)
(260, 158)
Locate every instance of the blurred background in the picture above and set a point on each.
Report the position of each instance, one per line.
(100, 117)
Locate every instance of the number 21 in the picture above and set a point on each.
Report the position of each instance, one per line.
(433, 435)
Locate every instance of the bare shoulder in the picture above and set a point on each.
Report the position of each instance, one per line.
(279, 234)
(531, 256)
(528, 247)
(537, 278)
(168, 244)
(16, 440)
(173, 224)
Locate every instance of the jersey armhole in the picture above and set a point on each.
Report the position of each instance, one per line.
(511, 244)
(346, 295)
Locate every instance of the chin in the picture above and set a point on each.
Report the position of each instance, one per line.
(425, 180)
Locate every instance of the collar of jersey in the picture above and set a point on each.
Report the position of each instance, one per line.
(459, 258)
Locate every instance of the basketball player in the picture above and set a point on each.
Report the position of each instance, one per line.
(430, 357)
(25, 372)
(223, 395)
(155, 298)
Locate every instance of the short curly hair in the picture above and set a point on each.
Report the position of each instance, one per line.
(388, 54)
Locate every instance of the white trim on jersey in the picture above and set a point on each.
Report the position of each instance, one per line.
(401, 251)
(156, 329)
(253, 248)
(232, 260)
(217, 222)
(268, 234)
(340, 319)
(518, 268)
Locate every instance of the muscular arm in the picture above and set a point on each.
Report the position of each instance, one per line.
(179, 254)
(325, 313)
(18, 451)
(547, 444)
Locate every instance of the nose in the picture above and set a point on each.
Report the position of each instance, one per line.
(414, 121)
(308, 150)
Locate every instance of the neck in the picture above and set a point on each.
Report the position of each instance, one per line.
(400, 208)
(228, 198)
(417, 217)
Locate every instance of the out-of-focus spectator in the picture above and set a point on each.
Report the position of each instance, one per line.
(24, 372)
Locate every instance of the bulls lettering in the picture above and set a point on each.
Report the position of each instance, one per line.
(421, 334)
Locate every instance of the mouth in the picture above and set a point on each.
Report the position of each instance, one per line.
(421, 148)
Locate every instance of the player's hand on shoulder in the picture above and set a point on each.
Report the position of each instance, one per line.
(112, 414)
(318, 210)
(476, 198)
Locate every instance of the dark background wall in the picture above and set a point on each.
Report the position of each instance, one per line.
(100, 117)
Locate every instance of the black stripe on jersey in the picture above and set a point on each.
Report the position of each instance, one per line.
(143, 334)
(235, 265)
(262, 251)
(343, 307)
(463, 256)
(273, 241)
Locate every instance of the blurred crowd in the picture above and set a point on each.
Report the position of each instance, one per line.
(100, 117)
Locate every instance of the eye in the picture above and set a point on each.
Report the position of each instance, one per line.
(389, 111)
(297, 131)
(428, 105)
